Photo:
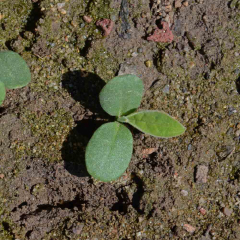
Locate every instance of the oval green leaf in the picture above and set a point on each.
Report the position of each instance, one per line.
(121, 95)
(155, 123)
(109, 151)
(2, 92)
(14, 71)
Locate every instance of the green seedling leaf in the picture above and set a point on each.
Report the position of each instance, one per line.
(155, 123)
(109, 151)
(14, 71)
(121, 95)
(2, 92)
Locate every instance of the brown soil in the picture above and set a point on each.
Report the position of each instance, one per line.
(180, 188)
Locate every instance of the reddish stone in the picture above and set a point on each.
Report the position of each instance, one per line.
(163, 35)
(106, 25)
(202, 211)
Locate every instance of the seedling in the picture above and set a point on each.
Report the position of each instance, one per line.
(110, 149)
(14, 72)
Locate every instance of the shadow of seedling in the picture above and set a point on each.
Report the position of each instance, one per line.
(85, 88)
(73, 150)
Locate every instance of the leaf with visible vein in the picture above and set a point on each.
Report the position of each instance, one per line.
(121, 95)
(109, 151)
(155, 123)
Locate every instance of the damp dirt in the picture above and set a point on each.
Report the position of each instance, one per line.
(179, 188)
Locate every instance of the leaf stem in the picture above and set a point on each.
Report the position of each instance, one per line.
(122, 119)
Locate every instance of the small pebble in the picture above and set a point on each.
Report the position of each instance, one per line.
(205, 18)
(231, 111)
(168, 8)
(87, 19)
(165, 2)
(139, 50)
(237, 133)
(184, 193)
(201, 201)
(62, 11)
(77, 230)
(148, 151)
(189, 147)
(126, 68)
(191, 65)
(113, 18)
(186, 49)
(227, 211)
(202, 211)
(2, 176)
(73, 23)
(167, 19)
(163, 14)
(185, 3)
(189, 228)
(178, 3)
(60, 5)
(65, 19)
(237, 71)
(166, 89)
(139, 234)
(148, 63)
(236, 54)
(201, 174)
(134, 54)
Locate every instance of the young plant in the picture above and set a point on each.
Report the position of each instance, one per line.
(14, 72)
(110, 149)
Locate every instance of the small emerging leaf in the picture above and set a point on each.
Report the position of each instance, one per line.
(109, 151)
(2, 92)
(155, 123)
(121, 95)
(14, 71)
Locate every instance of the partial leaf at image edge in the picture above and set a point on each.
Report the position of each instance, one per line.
(2, 92)
(155, 123)
(109, 151)
(121, 95)
(14, 71)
